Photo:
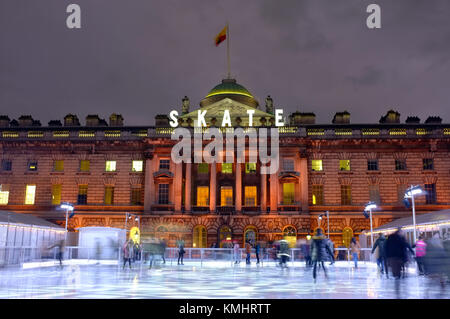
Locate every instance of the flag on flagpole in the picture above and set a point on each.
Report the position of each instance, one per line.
(221, 36)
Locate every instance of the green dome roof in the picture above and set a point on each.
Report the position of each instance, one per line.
(229, 86)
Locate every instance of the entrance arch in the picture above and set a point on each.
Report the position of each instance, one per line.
(250, 234)
(224, 236)
(347, 234)
(290, 235)
(199, 237)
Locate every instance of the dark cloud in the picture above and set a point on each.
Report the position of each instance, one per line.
(140, 58)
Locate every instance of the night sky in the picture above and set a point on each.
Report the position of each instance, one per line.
(140, 57)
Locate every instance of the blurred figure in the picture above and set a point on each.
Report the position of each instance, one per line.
(127, 251)
(379, 246)
(396, 254)
(331, 245)
(257, 251)
(305, 247)
(98, 250)
(421, 250)
(320, 251)
(181, 252)
(136, 251)
(355, 248)
(236, 253)
(163, 246)
(409, 255)
(61, 246)
(436, 260)
(248, 250)
(283, 253)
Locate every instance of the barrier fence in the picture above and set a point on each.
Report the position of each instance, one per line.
(17, 256)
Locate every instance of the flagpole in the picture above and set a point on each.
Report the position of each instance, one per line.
(228, 51)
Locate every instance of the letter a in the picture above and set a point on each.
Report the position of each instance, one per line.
(374, 20)
(74, 19)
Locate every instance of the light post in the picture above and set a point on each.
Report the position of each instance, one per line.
(410, 192)
(136, 219)
(68, 207)
(369, 207)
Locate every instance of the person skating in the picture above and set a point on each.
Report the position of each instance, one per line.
(60, 245)
(395, 249)
(257, 251)
(163, 249)
(331, 245)
(181, 252)
(381, 258)
(248, 250)
(421, 249)
(283, 253)
(127, 250)
(236, 253)
(355, 248)
(320, 251)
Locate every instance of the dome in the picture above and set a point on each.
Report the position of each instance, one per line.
(229, 88)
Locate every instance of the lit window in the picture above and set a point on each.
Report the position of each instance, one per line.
(6, 165)
(250, 168)
(344, 165)
(4, 194)
(199, 240)
(109, 195)
(288, 193)
(58, 166)
(317, 194)
(32, 166)
(84, 166)
(110, 166)
(137, 166)
(250, 196)
(30, 192)
(164, 164)
(227, 168)
(316, 165)
(56, 194)
(346, 195)
(82, 194)
(203, 168)
(202, 196)
(372, 165)
(226, 196)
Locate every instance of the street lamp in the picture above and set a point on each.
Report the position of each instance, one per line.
(369, 207)
(410, 192)
(68, 207)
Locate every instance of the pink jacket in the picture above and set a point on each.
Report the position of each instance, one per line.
(421, 248)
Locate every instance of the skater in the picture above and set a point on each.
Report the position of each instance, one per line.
(236, 253)
(395, 249)
(248, 250)
(127, 250)
(306, 249)
(163, 246)
(331, 245)
(257, 250)
(381, 256)
(319, 249)
(283, 253)
(354, 246)
(181, 252)
(60, 245)
(421, 249)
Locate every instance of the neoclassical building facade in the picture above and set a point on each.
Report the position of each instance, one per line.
(107, 170)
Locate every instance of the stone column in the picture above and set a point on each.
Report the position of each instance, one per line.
(304, 184)
(238, 187)
(263, 199)
(212, 188)
(149, 188)
(188, 188)
(274, 189)
(178, 186)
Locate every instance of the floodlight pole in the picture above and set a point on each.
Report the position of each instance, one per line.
(371, 228)
(414, 216)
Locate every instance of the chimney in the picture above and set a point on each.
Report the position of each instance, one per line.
(391, 117)
(71, 120)
(341, 118)
(433, 120)
(298, 118)
(412, 120)
(185, 105)
(4, 121)
(116, 120)
(25, 120)
(269, 105)
(92, 120)
(55, 123)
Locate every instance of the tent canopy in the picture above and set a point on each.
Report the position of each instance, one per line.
(428, 218)
(25, 219)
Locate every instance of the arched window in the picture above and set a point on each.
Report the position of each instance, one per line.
(199, 240)
(290, 235)
(347, 234)
(224, 236)
(251, 235)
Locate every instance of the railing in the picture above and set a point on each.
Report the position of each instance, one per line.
(225, 209)
(163, 207)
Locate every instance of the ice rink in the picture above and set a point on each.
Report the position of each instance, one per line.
(212, 280)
